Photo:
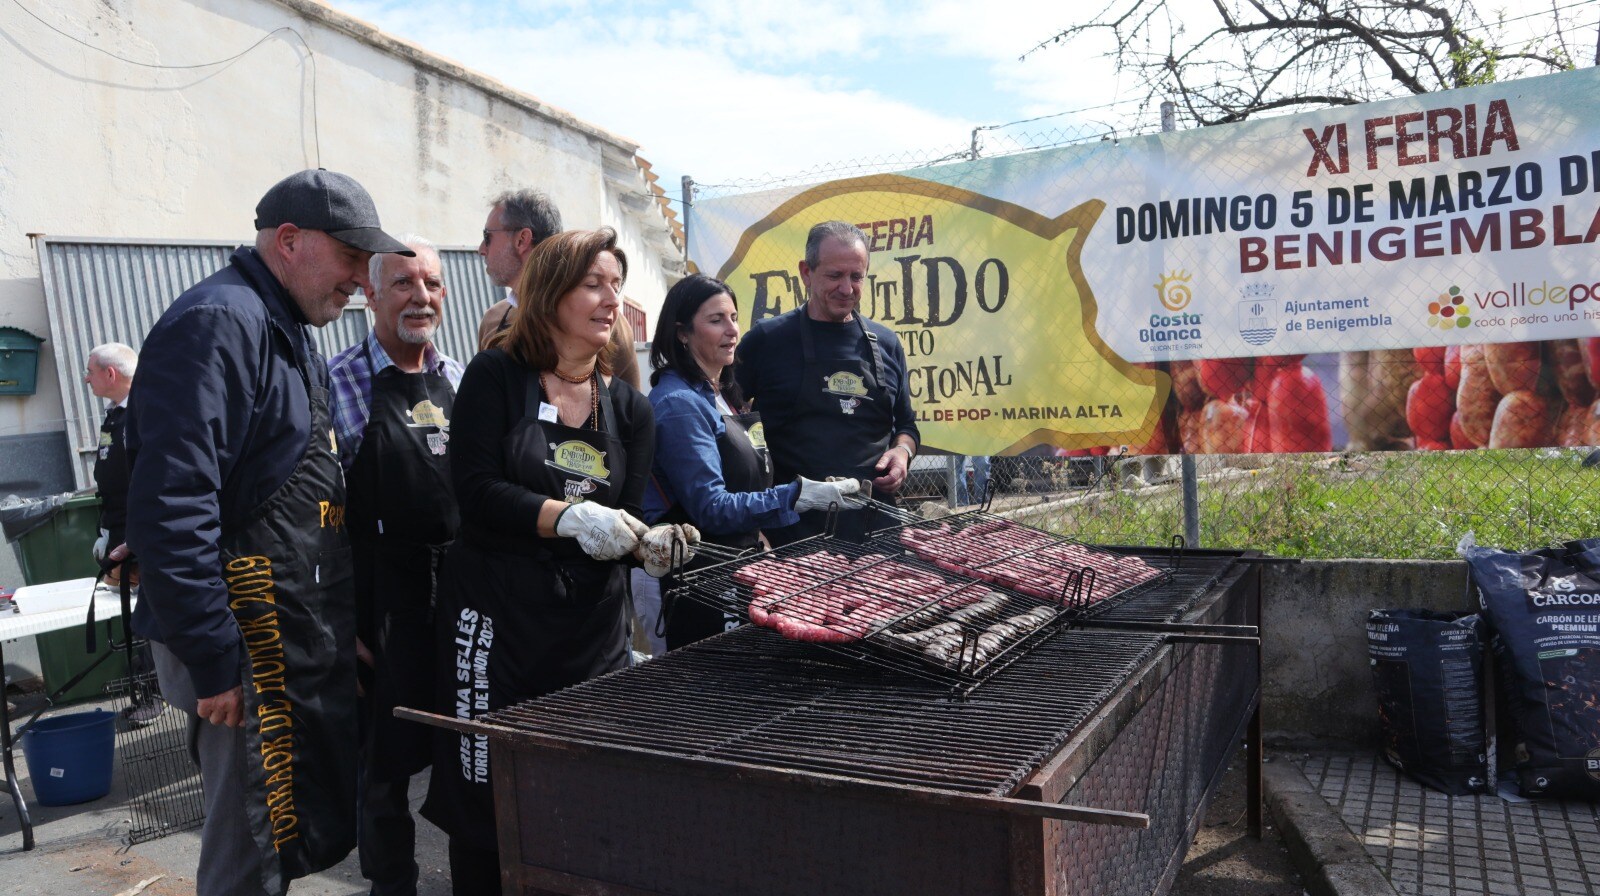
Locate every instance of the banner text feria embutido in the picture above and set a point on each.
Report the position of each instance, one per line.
(1278, 285)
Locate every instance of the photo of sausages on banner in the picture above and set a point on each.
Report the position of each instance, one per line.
(1412, 274)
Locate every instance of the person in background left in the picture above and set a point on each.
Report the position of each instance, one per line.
(393, 397)
(110, 377)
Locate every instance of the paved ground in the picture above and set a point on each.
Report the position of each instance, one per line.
(81, 849)
(1429, 844)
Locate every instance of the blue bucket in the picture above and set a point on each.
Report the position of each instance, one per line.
(70, 756)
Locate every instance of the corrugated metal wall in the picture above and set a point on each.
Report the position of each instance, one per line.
(99, 291)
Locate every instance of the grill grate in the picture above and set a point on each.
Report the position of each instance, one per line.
(880, 604)
(162, 781)
(1084, 578)
(753, 697)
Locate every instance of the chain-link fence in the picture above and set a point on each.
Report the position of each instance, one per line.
(1064, 294)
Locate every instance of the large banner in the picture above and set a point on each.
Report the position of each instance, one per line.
(1412, 273)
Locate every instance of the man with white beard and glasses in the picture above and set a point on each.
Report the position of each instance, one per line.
(393, 396)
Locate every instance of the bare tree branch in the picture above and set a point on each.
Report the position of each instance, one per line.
(1260, 56)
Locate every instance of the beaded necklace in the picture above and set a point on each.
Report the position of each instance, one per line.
(594, 395)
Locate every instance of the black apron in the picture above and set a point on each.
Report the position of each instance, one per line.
(111, 479)
(746, 467)
(843, 423)
(516, 623)
(287, 569)
(402, 518)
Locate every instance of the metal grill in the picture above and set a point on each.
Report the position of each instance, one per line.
(774, 768)
(1025, 560)
(1167, 762)
(753, 697)
(161, 779)
(880, 604)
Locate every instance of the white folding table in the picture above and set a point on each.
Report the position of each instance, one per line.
(42, 609)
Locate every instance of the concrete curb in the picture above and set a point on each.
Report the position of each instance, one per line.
(1331, 860)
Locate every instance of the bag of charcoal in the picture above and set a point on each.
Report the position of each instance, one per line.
(1544, 610)
(1425, 668)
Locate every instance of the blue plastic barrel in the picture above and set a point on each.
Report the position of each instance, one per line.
(69, 757)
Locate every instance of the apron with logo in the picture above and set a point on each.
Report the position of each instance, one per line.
(402, 518)
(287, 571)
(515, 625)
(746, 467)
(844, 422)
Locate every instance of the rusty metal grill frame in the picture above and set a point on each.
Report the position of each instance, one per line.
(570, 784)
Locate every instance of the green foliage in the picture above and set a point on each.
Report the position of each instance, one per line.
(1402, 505)
(1474, 63)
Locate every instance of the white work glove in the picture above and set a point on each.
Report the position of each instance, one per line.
(655, 547)
(101, 545)
(604, 533)
(816, 495)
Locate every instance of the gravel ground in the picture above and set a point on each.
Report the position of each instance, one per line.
(1225, 860)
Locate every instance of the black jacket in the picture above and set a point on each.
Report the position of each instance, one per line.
(217, 419)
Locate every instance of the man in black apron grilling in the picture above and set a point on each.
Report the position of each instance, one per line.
(393, 397)
(236, 512)
(831, 386)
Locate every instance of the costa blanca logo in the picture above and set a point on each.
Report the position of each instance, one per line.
(1174, 290)
(1449, 310)
(1258, 314)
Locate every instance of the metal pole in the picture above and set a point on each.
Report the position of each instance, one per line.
(953, 465)
(1191, 486)
(688, 204)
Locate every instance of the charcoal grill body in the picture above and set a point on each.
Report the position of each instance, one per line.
(605, 813)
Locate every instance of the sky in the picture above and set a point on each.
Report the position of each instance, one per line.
(742, 91)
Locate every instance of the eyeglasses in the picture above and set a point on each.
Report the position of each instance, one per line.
(498, 230)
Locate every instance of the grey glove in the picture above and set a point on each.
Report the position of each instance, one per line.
(816, 495)
(604, 533)
(101, 546)
(656, 546)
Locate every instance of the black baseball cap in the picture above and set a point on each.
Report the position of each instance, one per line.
(330, 202)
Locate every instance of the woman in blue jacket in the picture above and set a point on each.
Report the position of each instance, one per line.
(711, 466)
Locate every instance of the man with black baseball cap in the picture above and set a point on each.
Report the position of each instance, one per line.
(236, 511)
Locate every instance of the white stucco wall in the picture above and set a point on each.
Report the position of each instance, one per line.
(93, 146)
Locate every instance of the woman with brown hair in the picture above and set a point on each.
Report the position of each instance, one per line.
(549, 456)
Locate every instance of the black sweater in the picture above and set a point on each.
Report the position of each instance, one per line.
(489, 403)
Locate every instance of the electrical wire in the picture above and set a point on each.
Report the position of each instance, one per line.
(316, 136)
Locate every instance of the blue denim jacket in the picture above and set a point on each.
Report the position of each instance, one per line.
(688, 470)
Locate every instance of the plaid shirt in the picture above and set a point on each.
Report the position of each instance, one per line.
(350, 374)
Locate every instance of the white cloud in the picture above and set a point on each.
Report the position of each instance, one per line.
(684, 89)
(735, 89)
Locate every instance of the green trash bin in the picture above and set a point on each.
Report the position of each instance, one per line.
(58, 550)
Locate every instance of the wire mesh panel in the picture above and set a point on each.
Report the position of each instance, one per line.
(160, 776)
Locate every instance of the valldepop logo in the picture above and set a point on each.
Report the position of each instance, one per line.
(1448, 311)
(1258, 314)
